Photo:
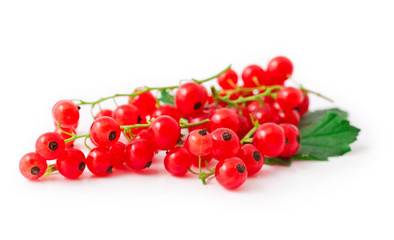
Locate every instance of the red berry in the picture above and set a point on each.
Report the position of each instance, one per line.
(253, 105)
(32, 166)
(225, 118)
(200, 118)
(50, 145)
(104, 131)
(199, 142)
(104, 113)
(178, 161)
(303, 107)
(99, 162)
(289, 98)
(66, 113)
(190, 98)
(117, 154)
(139, 154)
(167, 110)
(253, 76)
(127, 114)
(165, 132)
(71, 163)
(228, 80)
(231, 173)
(145, 102)
(245, 126)
(252, 158)
(279, 69)
(293, 140)
(289, 116)
(265, 114)
(225, 143)
(269, 139)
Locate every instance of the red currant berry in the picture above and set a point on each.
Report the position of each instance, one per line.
(200, 118)
(32, 166)
(231, 173)
(225, 118)
(66, 136)
(190, 98)
(104, 113)
(252, 158)
(303, 107)
(50, 145)
(254, 105)
(117, 154)
(293, 140)
(199, 142)
(99, 161)
(269, 139)
(66, 113)
(289, 116)
(245, 126)
(127, 114)
(265, 114)
(71, 163)
(104, 131)
(145, 102)
(165, 132)
(279, 69)
(225, 143)
(253, 76)
(228, 80)
(139, 154)
(178, 161)
(167, 110)
(289, 98)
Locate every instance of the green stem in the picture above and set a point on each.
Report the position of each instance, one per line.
(248, 136)
(50, 169)
(213, 77)
(316, 93)
(74, 136)
(191, 171)
(182, 125)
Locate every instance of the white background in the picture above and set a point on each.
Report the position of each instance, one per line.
(53, 50)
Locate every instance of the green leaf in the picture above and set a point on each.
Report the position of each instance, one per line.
(312, 117)
(166, 97)
(278, 161)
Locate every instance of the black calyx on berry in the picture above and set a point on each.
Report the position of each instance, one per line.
(227, 136)
(79, 108)
(256, 156)
(81, 166)
(197, 106)
(240, 168)
(53, 146)
(298, 139)
(139, 119)
(109, 169)
(112, 136)
(287, 140)
(35, 170)
(203, 132)
(148, 164)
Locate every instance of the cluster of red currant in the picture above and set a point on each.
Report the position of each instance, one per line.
(235, 126)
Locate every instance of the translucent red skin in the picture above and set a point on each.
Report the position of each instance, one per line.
(246, 154)
(291, 146)
(42, 145)
(265, 114)
(165, 132)
(188, 95)
(222, 149)
(177, 161)
(66, 113)
(199, 144)
(278, 70)
(269, 139)
(289, 116)
(117, 154)
(30, 160)
(101, 129)
(104, 113)
(138, 153)
(289, 98)
(304, 106)
(69, 162)
(253, 71)
(225, 118)
(226, 77)
(245, 126)
(228, 176)
(98, 161)
(167, 110)
(199, 119)
(126, 114)
(145, 102)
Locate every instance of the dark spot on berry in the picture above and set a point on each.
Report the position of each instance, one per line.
(112, 136)
(298, 139)
(139, 119)
(240, 168)
(227, 136)
(256, 156)
(35, 170)
(203, 132)
(109, 169)
(53, 146)
(81, 166)
(297, 108)
(148, 164)
(79, 108)
(197, 106)
(167, 152)
(287, 141)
